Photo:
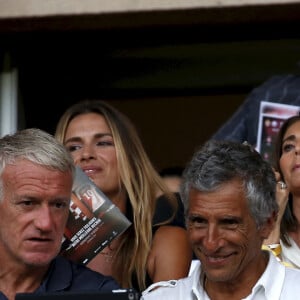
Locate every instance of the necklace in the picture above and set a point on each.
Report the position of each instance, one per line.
(108, 255)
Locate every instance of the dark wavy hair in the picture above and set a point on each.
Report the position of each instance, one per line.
(288, 222)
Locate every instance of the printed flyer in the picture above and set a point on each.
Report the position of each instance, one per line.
(94, 221)
(271, 117)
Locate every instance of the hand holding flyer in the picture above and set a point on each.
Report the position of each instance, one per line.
(94, 221)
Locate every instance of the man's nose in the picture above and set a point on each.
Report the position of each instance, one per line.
(213, 239)
(44, 219)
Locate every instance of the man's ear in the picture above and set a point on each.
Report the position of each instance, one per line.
(268, 226)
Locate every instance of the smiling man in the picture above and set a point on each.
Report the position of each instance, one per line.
(36, 177)
(229, 196)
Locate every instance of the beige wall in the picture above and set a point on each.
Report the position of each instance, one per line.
(34, 8)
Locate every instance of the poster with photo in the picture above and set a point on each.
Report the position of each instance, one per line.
(271, 117)
(93, 222)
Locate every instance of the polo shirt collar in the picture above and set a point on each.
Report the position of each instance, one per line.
(58, 277)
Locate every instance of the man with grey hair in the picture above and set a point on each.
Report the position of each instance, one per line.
(229, 196)
(36, 177)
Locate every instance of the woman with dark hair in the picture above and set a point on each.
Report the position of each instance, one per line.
(285, 239)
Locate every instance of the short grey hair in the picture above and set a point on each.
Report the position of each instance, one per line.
(219, 162)
(36, 146)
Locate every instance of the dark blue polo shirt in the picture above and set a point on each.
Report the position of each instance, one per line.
(64, 275)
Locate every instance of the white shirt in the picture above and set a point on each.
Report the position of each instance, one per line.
(276, 283)
(290, 254)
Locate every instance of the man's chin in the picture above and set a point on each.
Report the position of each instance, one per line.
(218, 276)
(38, 260)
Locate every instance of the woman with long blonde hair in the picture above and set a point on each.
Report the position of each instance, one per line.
(106, 145)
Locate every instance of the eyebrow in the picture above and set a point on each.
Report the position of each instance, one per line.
(193, 217)
(79, 139)
(291, 137)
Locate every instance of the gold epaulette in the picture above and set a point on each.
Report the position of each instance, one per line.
(276, 251)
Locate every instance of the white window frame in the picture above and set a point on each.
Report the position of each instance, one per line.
(8, 96)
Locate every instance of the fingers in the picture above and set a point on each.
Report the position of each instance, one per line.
(281, 184)
(282, 192)
(277, 175)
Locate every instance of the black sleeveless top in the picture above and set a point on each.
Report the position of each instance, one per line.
(163, 212)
